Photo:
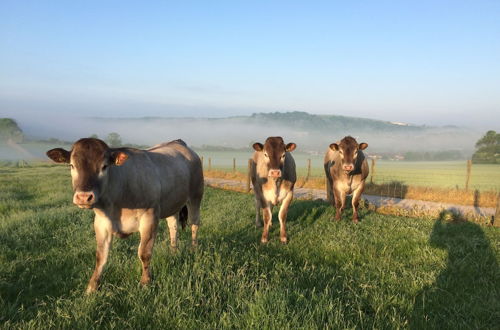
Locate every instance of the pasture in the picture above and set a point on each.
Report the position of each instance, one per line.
(386, 272)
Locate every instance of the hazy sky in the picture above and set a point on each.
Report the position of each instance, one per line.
(426, 62)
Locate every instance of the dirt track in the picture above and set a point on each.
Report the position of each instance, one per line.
(410, 205)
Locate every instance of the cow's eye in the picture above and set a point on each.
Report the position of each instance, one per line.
(72, 166)
(265, 154)
(104, 167)
(283, 156)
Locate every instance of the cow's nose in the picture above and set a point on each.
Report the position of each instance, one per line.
(84, 198)
(275, 173)
(348, 167)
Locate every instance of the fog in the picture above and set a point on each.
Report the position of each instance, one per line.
(238, 132)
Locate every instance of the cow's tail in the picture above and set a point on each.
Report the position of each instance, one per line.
(183, 216)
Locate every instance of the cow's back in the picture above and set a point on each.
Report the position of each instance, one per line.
(179, 172)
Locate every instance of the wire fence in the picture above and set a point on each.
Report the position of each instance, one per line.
(391, 175)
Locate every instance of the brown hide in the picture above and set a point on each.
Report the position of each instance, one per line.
(273, 177)
(346, 169)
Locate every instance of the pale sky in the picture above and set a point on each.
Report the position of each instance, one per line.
(424, 62)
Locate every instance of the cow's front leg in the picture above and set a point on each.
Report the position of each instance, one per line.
(268, 215)
(339, 203)
(356, 196)
(282, 216)
(103, 236)
(258, 218)
(147, 228)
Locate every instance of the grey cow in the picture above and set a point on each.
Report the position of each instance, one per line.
(129, 190)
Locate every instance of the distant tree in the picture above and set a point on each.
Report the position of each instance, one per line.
(488, 149)
(114, 140)
(9, 130)
(94, 136)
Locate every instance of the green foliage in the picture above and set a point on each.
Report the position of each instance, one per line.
(386, 272)
(114, 140)
(488, 149)
(9, 130)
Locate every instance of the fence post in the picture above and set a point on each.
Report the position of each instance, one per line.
(209, 163)
(249, 174)
(372, 171)
(467, 180)
(234, 164)
(496, 219)
(202, 164)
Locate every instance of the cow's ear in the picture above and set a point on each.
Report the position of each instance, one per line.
(118, 157)
(290, 146)
(59, 155)
(334, 147)
(258, 146)
(363, 146)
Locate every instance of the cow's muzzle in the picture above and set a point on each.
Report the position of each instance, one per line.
(84, 199)
(348, 167)
(275, 173)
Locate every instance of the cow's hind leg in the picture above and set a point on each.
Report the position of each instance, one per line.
(173, 225)
(194, 206)
(282, 216)
(103, 235)
(147, 228)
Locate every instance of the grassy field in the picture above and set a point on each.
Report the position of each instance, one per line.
(386, 272)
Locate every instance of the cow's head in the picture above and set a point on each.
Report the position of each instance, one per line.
(89, 160)
(274, 154)
(348, 151)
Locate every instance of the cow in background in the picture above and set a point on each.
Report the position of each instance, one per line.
(273, 178)
(129, 190)
(346, 169)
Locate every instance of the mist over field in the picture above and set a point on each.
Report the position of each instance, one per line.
(310, 132)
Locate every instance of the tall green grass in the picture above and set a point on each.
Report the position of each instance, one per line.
(386, 272)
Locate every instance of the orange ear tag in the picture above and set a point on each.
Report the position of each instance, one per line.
(121, 158)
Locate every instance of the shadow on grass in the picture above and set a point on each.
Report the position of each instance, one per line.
(467, 291)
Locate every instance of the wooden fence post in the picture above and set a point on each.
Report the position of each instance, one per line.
(249, 174)
(372, 171)
(202, 165)
(234, 164)
(209, 163)
(467, 179)
(496, 219)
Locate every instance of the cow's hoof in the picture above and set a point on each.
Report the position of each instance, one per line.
(174, 249)
(264, 241)
(284, 240)
(355, 221)
(91, 288)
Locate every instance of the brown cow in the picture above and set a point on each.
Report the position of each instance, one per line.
(131, 189)
(346, 169)
(273, 177)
